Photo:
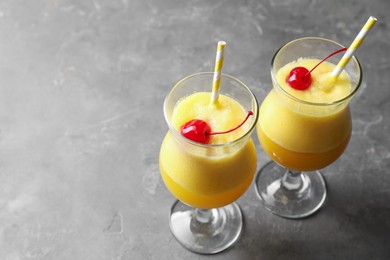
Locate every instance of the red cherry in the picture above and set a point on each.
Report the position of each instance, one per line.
(199, 131)
(196, 130)
(299, 78)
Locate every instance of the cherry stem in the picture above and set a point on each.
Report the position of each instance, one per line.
(231, 130)
(330, 55)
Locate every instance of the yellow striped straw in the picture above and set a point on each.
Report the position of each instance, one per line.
(218, 71)
(354, 45)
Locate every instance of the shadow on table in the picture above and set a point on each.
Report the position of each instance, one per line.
(354, 223)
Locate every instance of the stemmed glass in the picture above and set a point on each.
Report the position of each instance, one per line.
(207, 178)
(301, 137)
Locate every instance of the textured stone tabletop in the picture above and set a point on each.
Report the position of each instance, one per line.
(82, 85)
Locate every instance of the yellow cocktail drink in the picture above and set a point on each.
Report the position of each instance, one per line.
(214, 176)
(304, 124)
(208, 159)
(298, 135)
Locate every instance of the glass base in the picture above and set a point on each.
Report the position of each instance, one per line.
(206, 231)
(290, 200)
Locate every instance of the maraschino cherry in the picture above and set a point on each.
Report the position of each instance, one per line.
(300, 78)
(199, 131)
(196, 130)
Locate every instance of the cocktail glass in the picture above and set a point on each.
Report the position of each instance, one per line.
(207, 178)
(291, 185)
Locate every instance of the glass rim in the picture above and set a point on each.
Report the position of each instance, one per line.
(178, 135)
(336, 102)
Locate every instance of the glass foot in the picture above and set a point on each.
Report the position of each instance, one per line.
(206, 231)
(290, 195)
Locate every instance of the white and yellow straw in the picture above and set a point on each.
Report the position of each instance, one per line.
(354, 45)
(218, 71)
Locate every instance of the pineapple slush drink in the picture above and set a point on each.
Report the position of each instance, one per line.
(303, 137)
(205, 180)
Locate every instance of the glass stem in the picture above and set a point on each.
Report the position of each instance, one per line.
(206, 222)
(292, 180)
(204, 215)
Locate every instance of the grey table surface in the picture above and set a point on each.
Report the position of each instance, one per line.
(82, 84)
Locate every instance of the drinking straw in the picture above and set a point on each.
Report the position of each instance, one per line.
(218, 71)
(354, 45)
